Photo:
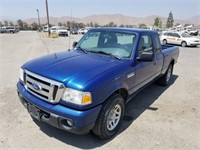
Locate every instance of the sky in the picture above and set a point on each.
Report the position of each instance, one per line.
(24, 9)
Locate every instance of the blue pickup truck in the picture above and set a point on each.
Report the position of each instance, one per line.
(86, 88)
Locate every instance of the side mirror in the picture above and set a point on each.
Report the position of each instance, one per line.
(145, 57)
(74, 44)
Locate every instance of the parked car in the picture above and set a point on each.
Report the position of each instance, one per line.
(46, 28)
(9, 29)
(60, 30)
(74, 31)
(86, 88)
(81, 31)
(182, 39)
(194, 32)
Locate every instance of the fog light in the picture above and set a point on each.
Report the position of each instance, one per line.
(66, 123)
(69, 122)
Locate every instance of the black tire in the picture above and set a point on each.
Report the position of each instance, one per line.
(183, 44)
(165, 79)
(105, 122)
(164, 42)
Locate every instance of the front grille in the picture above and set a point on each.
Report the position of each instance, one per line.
(63, 32)
(44, 88)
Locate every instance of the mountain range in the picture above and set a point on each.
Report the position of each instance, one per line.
(116, 18)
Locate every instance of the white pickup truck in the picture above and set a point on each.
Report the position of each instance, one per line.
(60, 30)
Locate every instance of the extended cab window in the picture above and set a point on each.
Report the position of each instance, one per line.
(145, 44)
(157, 44)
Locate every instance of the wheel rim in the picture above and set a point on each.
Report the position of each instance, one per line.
(169, 73)
(183, 44)
(114, 117)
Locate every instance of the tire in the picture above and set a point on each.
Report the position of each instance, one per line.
(110, 117)
(164, 42)
(183, 44)
(165, 79)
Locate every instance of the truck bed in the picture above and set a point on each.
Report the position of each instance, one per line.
(169, 52)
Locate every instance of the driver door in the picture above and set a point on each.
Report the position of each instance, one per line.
(144, 71)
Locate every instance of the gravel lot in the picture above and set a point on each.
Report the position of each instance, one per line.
(162, 117)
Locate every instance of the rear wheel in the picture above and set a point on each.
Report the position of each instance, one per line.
(110, 117)
(183, 44)
(164, 80)
(164, 42)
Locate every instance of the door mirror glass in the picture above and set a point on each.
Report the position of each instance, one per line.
(74, 44)
(145, 57)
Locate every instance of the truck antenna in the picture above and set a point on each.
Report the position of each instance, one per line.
(69, 44)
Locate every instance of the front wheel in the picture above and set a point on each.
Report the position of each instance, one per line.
(110, 117)
(184, 44)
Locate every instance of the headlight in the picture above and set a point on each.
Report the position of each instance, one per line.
(77, 97)
(21, 74)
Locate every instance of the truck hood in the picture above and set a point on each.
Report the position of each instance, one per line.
(73, 68)
(62, 30)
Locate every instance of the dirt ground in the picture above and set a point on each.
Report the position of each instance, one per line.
(162, 118)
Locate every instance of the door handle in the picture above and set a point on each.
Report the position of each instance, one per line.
(155, 62)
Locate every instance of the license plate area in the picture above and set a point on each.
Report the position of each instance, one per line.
(33, 111)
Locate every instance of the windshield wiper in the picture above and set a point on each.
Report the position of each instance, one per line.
(102, 52)
(82, 49)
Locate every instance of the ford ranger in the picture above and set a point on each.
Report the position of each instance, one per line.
(86, 88)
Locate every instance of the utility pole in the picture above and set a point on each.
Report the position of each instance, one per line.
(38, 18)
(47, 17)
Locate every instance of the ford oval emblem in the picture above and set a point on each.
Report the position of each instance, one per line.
(36, 87)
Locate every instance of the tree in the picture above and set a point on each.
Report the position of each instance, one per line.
(122, 26)
(96, 24)
(158, 22)
(91, 24)
(11, 23)
(170, 20)
(143, 26)
(111, 24)
(34, 26)
(20, 23)
(25, 26)
(81, 25)
(5, 23)
(1, 24)
(68, 25)
(60, 24)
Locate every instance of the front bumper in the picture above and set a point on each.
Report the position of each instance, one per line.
(58, 115)
(193, 43)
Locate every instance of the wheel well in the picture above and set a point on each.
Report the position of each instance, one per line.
(183, 41)
(123, 92)
(172, 62)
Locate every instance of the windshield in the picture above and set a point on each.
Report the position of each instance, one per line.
(53, 28)
(118, 44)
(63, 28)
(185, 35)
